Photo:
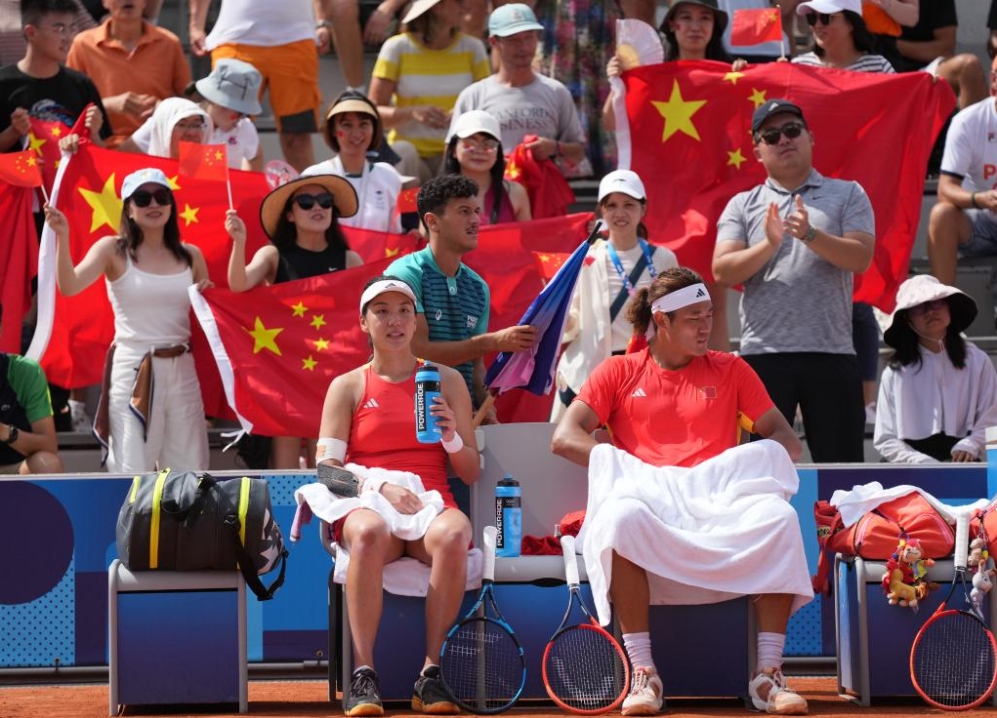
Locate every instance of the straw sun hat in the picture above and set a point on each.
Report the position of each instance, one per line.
(344, 199)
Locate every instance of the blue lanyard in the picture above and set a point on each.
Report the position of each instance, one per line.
(627, 284)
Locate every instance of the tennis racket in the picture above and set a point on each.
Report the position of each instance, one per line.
(482, 661)
(584, 669)
(953, 662)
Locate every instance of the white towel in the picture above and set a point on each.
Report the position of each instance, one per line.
(711, 533)
(406, 576)
(861, 499)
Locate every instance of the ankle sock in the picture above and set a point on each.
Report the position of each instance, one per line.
(770, 646)
(638, 648)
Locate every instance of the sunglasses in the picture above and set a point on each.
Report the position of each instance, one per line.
(142, 198)
(823, 17)
(792, 130)
(307, 201)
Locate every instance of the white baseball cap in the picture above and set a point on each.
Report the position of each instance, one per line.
(389, 284)
(829, 6)
(149, 175)
(625, 181)
(474, 121)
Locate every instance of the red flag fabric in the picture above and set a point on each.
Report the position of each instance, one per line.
(203, 162)
(548, 263)
(549, 193)
(20, 169)
(19, 259)
(753, 27)
(44, 138)
(407, 201)
(691, 122)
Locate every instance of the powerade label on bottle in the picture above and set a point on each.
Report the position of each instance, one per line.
(508, 517)
(427, 386)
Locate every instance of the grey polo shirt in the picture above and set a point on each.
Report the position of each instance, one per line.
(797, 302)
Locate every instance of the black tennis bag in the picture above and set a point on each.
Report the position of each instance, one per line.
(185, 522)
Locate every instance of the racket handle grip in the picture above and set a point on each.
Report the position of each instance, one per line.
(570, 560)
(488, 562)
(961, 556)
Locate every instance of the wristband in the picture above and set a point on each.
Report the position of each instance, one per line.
(12, 432)
(329, 448)
(454, 445)
(972, 200)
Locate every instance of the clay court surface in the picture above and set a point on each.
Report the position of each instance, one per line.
(307, 698)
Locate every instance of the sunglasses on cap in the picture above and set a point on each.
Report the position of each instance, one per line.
(307, 201)
(792, 130)
(823, 17)
(143, 198)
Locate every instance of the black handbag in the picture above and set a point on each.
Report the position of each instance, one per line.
(189, 522)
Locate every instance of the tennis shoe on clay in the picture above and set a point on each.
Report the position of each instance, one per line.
(430, 696)
(364, 696)
(646, 693)
(769, 693)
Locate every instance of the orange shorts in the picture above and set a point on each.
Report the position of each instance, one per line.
(290, 75)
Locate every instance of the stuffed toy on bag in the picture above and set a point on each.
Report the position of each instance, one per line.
(904, 581)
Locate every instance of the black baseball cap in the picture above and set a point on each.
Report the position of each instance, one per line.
(773, 107)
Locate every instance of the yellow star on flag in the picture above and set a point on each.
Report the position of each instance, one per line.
(321, 344)
(106, 205)
(56, 131)
(174, 185)
(512, 171)
(757, 96)
(308, 363)
(264, 338)
(735, 158)
(299, 309)
(35, 143)
(389, 252)
(733, 77)
(319, 321)
(32, 162)
(544, 257)
(678, 114)
(189, 214)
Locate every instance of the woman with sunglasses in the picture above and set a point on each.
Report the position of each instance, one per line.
(353, 131)
(151, 424)
(841, 39)
(939, 392)
(300, 218)
(174, 120)
(475, 151)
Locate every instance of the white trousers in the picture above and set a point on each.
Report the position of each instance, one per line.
(177, 434)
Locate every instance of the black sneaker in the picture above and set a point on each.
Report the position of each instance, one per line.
(430, 696)
(364, 698)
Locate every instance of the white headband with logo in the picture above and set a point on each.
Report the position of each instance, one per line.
(683, 297)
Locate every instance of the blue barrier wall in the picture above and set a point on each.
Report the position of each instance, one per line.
(58, 535)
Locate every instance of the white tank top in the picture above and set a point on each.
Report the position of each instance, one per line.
(265, 23)
(150, 310)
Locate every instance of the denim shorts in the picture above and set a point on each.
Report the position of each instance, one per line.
(983, 240)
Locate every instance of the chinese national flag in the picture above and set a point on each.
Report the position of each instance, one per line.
(203, 162)
(407, 201)
(74, 332)
(19, 259)
(753, 27)
(690, 141)
(20, 169)
(549, 262)
(44, 138)
(279, 346)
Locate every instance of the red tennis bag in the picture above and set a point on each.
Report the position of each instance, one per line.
(876, 535)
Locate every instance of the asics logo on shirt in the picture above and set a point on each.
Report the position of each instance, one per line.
(371, 404)
(639, 392)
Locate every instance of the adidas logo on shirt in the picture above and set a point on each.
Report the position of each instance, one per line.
(639, 392)
(371, 404)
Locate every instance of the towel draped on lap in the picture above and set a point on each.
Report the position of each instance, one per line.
(406, 576)
(717, 531)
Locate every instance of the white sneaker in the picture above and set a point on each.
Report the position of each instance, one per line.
(646, 691)
(769, 693)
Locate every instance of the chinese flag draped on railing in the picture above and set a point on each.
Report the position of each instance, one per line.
(19, 175)
(690, 142)
(278, 347)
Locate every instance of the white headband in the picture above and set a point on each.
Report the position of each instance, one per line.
(680, 298)
(385, 285)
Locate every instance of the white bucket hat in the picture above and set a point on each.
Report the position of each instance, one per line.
(234, 85)
(625, 181)
(925, 288)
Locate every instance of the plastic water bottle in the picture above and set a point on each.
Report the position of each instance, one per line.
(508, 517)
(427, 387)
